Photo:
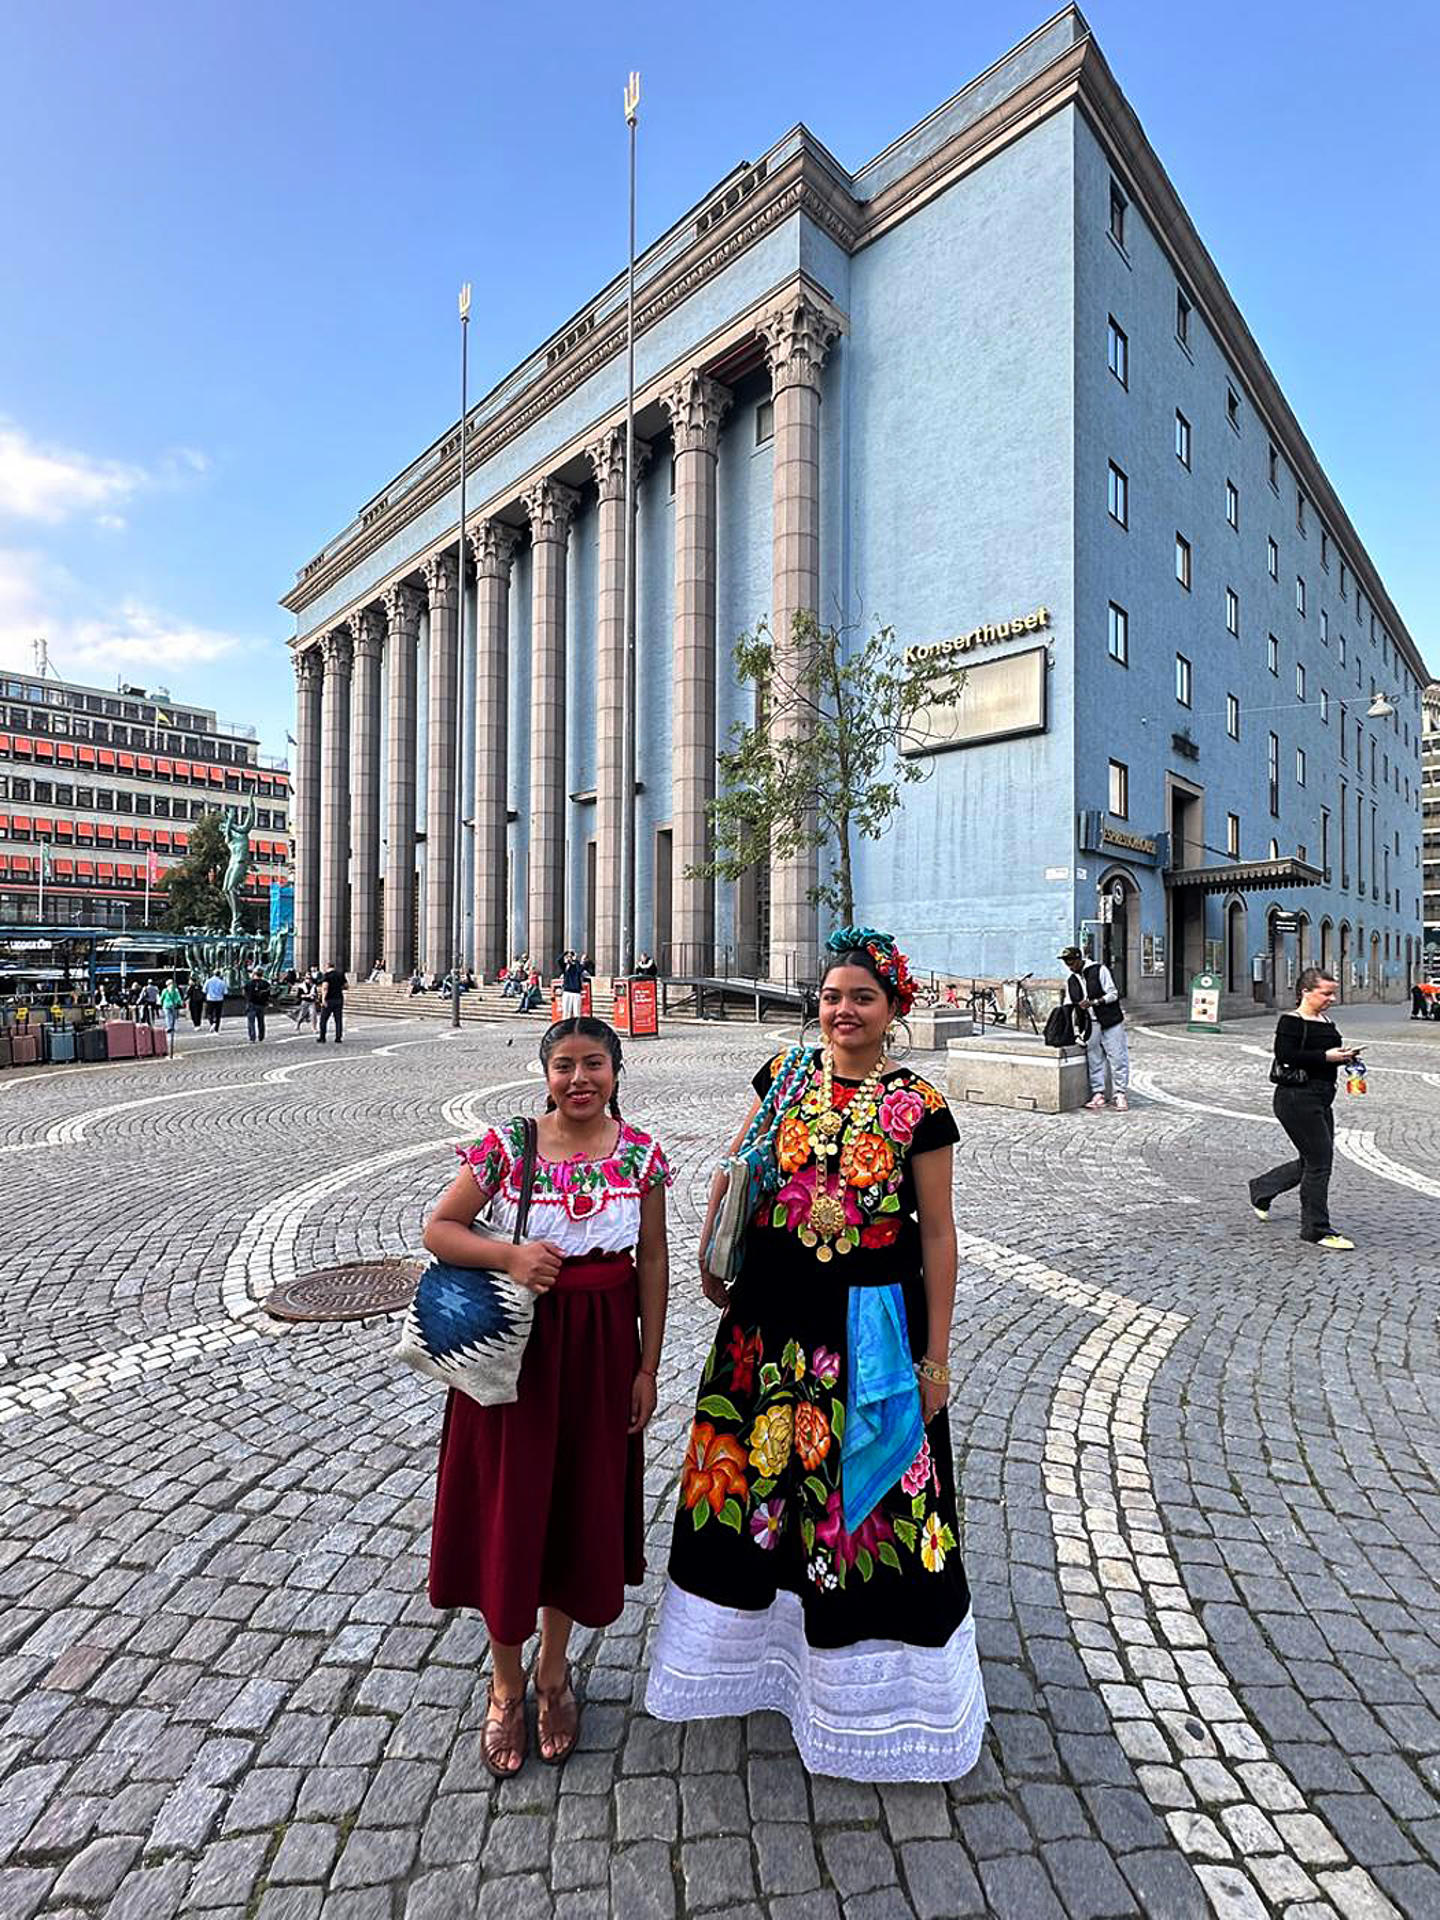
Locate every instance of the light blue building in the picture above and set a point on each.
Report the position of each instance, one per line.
(990, 390)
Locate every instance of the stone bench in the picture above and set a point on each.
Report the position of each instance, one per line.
(932, 1028)
(1003, 1069)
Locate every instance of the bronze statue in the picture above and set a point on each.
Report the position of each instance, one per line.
(236, 827)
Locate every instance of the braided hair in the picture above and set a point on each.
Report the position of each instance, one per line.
(584, 1027)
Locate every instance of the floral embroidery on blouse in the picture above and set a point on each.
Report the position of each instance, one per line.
(581, 1186)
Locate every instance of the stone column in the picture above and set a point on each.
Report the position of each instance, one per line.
(335, 801)
(438, 937)
(365, 790)
(551, 507)
(796, 336)
(402, 623)
(492, 545)
(696, 407)
(607, 463)
(307, 806)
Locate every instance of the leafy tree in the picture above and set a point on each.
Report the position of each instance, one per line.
(822, 762)
(192, 886)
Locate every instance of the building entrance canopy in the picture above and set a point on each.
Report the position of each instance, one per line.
(1245, 876)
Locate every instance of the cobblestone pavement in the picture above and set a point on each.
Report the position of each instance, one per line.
(1199, 1479)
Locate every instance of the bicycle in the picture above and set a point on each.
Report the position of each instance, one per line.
(983, 1005)
(1025, 1006)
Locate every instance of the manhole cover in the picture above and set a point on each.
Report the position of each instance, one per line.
(356, 1291)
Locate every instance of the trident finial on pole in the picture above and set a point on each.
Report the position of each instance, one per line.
(465, 301)
(632, 99)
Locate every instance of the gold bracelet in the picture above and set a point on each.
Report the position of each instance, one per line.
(936, 1373)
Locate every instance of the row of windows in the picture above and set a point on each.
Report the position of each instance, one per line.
(158, 806)
(1118, 360)
(151, 739)
(1382, 772)
(68, 699)
(22, 831)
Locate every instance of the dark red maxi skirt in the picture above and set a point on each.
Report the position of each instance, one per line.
(541, 1503)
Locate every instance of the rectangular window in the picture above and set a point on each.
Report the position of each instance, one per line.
(1325, 549)
(1182, 317)
(1299, 766)
(1232, 612)
(1324, 707)
(1119, 790)
(1232, 505)
(1272, 653)
(1325, 842)
(1232, 407)
(1182, 680)
(1182, 561)
(1118, 208)
(1119, 496)
(1272, 559)
(1118, 352)
(1344, 581)
(1299, 681)
(1324, 628)
(1232, 716)
(1342, 649)
(1300, 512)
(1119, 634)
(1273, 769)
(1274, 467)
(1182, 438)
(764, 422)
(1300, 595)
(1232, 835)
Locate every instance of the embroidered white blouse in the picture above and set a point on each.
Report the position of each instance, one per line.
(581, 1206)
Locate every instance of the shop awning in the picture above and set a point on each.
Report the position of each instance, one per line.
(1245, 876)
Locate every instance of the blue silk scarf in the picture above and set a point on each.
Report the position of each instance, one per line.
(883, 1428)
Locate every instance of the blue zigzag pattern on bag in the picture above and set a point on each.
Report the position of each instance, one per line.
(460, 1310)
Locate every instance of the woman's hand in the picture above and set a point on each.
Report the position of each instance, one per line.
(642, 1402)
(714, 1288)
(933, 1397)
(535, 1264)
(1342, 1056)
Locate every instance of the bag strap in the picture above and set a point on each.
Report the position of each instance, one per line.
(771, 1109)
(527, 1177)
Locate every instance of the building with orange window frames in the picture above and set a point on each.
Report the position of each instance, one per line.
(103, 785)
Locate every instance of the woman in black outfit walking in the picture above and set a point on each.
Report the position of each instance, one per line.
(1308, 1042)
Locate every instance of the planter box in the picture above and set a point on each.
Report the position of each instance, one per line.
(144, 1041)
(25, 1048)
(91, 1043)
(996, 1069)
(120, 1039)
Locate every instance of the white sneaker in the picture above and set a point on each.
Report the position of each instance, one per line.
(1122, 1103)
(1095, 1104)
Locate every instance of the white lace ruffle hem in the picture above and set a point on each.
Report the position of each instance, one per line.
(878, 1710)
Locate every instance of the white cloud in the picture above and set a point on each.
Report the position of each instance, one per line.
(87, 642)
(51, 484)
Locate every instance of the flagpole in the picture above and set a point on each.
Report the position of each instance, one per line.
(628, 721)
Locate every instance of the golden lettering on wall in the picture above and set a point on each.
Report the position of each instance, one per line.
(990, 635)
(1136, 842)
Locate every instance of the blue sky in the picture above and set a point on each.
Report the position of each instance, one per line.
(233, 238)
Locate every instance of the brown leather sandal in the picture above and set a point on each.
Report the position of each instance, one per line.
(555, 1722)
(503, 1735)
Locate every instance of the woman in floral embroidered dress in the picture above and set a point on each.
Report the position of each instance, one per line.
(539, 1504)
(814, 1567)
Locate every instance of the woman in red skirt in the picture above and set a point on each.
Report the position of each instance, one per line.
(539, 1503)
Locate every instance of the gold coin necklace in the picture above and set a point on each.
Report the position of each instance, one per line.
(831, 1132)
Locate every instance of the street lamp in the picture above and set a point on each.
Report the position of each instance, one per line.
(457, 864)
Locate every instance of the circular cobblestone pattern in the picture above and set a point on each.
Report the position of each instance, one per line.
(1200, 1477)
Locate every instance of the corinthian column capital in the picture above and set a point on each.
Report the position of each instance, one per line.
(551, 507)
(367, 632)
(306, 662)
(796, 336)
(696, 406)
(607, 462)
(439, 572)
(337, 650)
(492, 548)
(402, 606)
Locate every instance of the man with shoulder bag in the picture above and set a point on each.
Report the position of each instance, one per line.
(1092, 991)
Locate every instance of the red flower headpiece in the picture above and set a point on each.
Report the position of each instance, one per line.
(886, 958)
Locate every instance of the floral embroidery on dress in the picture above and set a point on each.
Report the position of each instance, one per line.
(785, 1469)
(581, 1186)
(871, 1168)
